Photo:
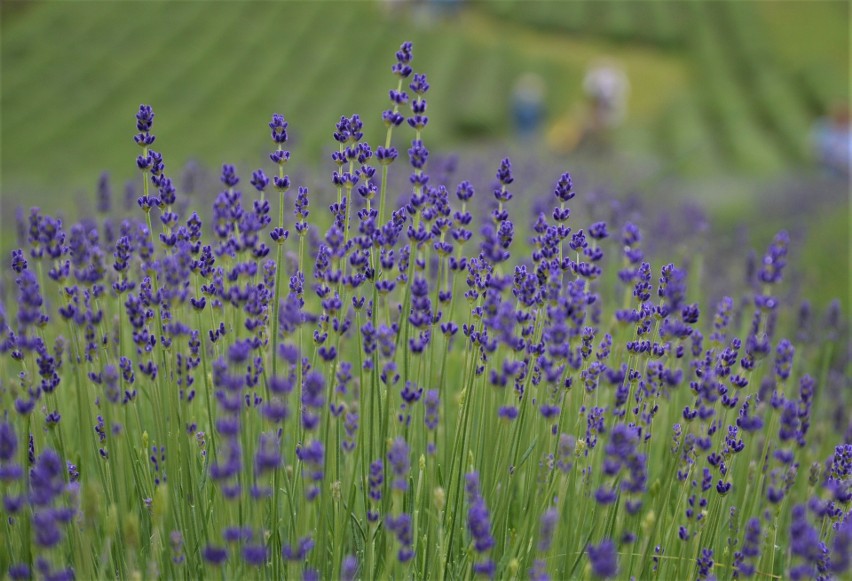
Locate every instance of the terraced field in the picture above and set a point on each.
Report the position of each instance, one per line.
(715, 86)
(217, 73)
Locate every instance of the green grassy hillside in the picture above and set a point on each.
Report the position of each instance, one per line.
(714, 85)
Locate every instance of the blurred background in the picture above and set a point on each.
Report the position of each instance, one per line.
(743, 106)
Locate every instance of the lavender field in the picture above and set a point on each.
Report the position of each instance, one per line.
(401, 363)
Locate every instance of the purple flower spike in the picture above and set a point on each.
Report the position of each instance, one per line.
(774, 260)
(746, 558)
(479, 524)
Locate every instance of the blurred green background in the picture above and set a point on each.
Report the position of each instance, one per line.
(724, 95)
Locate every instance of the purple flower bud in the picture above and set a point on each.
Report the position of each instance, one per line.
(403, 58)
(564, 188)
(259, 180)
(229, 176)
(278, 126)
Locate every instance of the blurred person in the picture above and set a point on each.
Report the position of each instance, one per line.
(831, 139)
(606, 88)
(528, 106)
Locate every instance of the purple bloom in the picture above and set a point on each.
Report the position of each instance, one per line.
(775, 259)
(8, 442)
(746, 422)
(299, 551)
(236, 534)
(13, 504)
(214, 555)
(403, 58)
(400, 463)
(548, 524)
(56, 575)
(314, 387)
(746, 558)
(479, 524)
(278, 127)
(19, 572)
(349, 568)
(431, 402)
(564, 188)
(46, 478)
(376, 480)
(841, 549)
(485, 568)
(29, 300)
(604, 495)
(705, 563)
(401, 527)
(604, 559)
(478, 519)
(538, 572)
(19, 262)
(268, 455)
(144, 122)
(784, 359)
(806, 546)
(47, 534)
(565, 457)
(509, 413)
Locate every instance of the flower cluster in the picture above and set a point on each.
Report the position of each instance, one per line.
(415, 384)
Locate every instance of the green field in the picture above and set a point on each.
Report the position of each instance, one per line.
(221, 70)
(714, 85)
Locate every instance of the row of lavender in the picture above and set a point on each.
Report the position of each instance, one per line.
(397, 398)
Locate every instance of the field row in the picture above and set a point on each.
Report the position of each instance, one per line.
(746, 111)
(219, 77)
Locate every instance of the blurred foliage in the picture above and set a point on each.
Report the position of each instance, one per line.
(714, 84)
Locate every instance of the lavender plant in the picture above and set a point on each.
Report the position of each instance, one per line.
(406, 387)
